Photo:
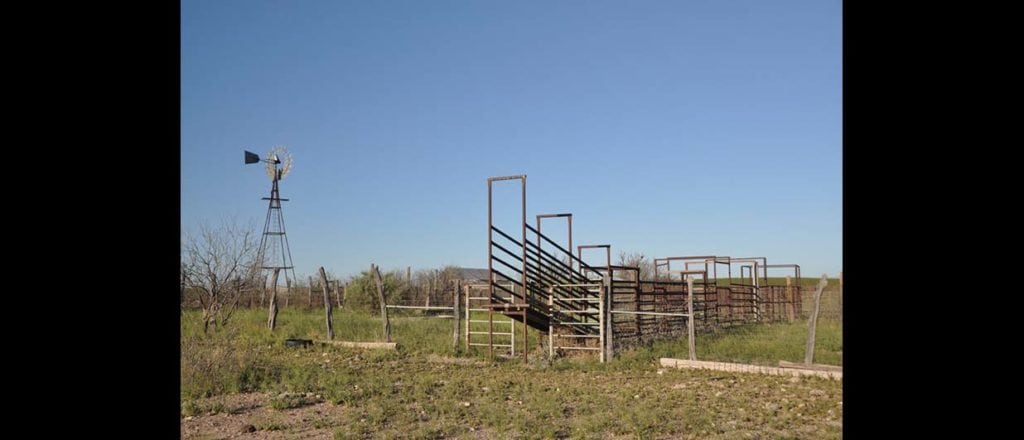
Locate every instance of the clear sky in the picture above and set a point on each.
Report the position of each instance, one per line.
(665, 127)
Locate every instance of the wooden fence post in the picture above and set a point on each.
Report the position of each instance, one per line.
(430, 291)
(309, 291)
(812, 323)
(272, 318)
(840, 300)
(327, 304)
(383, 303)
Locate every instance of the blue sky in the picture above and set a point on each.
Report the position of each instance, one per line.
(665, 127)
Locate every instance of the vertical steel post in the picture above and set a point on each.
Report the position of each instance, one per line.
(523, 226)
(490, 270)
(610, 339)
(689, 319)
(526, 336)
(512, 333)
(551, 321)
(570, 251)
(790, 297)
(600, 318)
(757, 292)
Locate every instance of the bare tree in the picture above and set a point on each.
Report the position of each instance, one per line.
(639, 260)
(219, 264)
(426, 286)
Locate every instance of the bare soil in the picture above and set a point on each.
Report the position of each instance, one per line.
(253, 411)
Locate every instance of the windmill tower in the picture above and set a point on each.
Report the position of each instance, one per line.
(274, 252)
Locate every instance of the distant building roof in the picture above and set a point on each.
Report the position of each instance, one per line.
(468, 273)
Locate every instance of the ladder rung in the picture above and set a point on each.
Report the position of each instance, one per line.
(484, 321)
(578, 348)
(492, 345)
(495, 333)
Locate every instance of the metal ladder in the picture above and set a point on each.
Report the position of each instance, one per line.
(479, 302)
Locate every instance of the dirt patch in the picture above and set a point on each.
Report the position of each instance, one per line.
(435, 359)
(250, 416)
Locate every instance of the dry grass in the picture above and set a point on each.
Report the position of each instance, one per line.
(424, 389)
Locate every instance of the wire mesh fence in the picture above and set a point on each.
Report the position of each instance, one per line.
(765, 323)
(789, 322)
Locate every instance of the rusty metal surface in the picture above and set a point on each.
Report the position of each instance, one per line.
(537, 281)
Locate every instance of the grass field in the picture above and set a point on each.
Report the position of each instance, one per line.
(425, 390)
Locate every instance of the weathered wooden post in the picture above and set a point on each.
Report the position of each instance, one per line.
(433, 287)
(840, 300)
(309, 290)
(327, 304)
(812, 323)
(272, 318)
(689, 319)
(383, 303)
(456, 317)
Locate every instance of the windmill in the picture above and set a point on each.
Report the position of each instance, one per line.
(274, 252)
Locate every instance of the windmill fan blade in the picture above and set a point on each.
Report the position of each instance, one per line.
(251, 157)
